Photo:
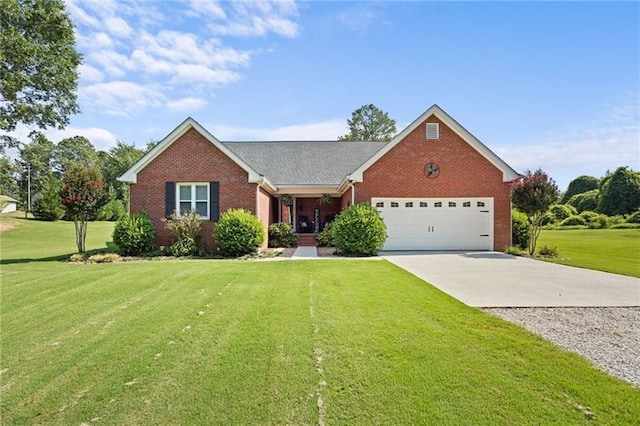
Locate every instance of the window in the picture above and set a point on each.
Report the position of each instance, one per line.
(193, 197)
(409, 204)
(423, 204)
(452, 204)
(380, 204)
(480, 204)
(394, 204)
(438, 204)
(433, 131)
(466, 204)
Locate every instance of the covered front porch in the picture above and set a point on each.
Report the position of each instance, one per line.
(310, 213)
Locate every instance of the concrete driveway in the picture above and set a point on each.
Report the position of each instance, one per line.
(492, 279)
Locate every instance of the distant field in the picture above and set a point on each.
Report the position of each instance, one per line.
(276, 342)
(609, 250)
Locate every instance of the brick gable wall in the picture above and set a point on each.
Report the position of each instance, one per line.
(191, 158)
(464, 172)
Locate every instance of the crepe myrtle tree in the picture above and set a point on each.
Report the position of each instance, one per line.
(82, 192)
(533, 194)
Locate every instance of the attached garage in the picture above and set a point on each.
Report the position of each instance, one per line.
(437, 223)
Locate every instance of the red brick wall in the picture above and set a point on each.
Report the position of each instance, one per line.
(463, 173)
(191, 158)
(264, 213)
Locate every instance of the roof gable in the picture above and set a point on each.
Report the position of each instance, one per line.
(508, 174)
(131, 175)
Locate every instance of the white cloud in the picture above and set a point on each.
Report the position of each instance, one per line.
(179, 61)
(101, 139)
(258, 19)
(121, 97)
(605, 143)
(113, 63)
(206, 8)
(118, 27)
(93, 41)
(90, 74)
(190, 73)
(322, 130)
(361, 16)
(186, 104)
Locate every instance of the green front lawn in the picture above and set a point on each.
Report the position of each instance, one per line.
(285, 342)
(609, 250)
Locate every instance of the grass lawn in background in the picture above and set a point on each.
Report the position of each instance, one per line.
(285, 342)
(609, 250)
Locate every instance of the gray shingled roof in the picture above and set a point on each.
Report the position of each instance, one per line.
(305, 162)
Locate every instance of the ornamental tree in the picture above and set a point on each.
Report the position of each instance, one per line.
(81, 193)
(533, 194)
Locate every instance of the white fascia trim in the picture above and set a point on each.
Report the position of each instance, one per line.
(308, 189)
(131, 175)
(508, 174)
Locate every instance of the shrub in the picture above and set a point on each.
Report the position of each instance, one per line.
(573, 221)
(325, 237)
(519, 229)
(186, 231)
(104, 258)
(77, 258)
(562, 211)
(114, 210)
(634, 218)
(134, 234)
(186, 246)
(594, 220)
(585, 201)
(549, 251)
(238, 232)
(282, 235)
(49, 207)
(359, 230)
(514, 250)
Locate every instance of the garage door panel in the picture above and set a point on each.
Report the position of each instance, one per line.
(459, 224)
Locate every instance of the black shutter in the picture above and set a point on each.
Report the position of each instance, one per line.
(214, 201)
(169, 198)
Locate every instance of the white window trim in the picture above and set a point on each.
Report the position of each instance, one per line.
(193, 197)
(437, 127)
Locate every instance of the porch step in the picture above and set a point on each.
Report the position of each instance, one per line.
(306, 240)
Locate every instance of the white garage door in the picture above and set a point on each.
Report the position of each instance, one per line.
(437, 223)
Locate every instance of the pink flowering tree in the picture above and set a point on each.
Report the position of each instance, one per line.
(81, 193)
(533, 194)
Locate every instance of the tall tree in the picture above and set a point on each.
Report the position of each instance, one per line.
(533, 194)
(81, 193)
(370, 123)
(620, 194)
(35, 161)
(75, 150)
(118, 160)
(38, 65)
(9, 172)
(579, 185)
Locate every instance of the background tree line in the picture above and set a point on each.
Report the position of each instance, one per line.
(40, 165)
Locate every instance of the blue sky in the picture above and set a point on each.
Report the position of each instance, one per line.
(543, 84)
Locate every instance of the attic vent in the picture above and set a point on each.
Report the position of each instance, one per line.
(433, 131)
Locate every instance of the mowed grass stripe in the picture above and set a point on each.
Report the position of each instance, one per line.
(398, 351)
(608, 250)
(242, 320)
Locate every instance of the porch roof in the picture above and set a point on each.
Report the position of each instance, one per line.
(305, 162)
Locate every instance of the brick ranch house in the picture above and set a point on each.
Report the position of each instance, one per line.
(436, 186)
